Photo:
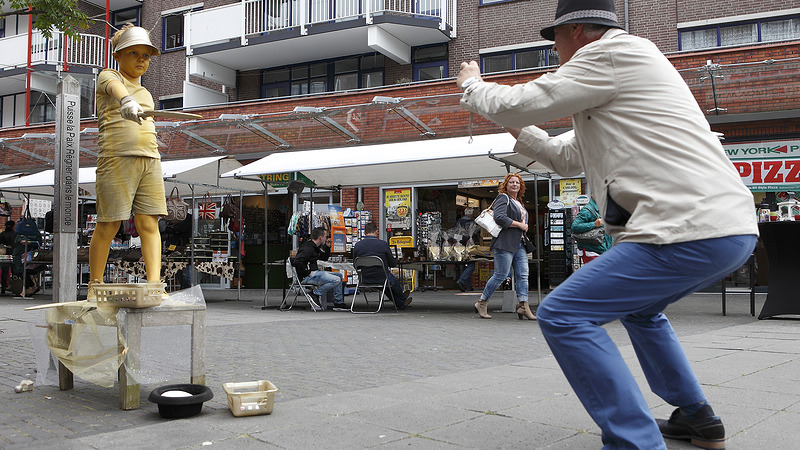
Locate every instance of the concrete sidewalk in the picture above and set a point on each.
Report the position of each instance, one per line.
(433, 376)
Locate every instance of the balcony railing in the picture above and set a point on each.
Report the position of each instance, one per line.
(88, 50)
(253, 17)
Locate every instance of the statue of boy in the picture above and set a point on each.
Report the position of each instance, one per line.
(129, 176)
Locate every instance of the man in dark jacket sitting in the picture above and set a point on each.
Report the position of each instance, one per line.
(310, 251)
(371, 245)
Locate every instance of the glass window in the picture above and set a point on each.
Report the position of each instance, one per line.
(172, 103)
(121, 17)
(299, 88)
(781, 30)
(173, 32)
(319, 85)
(430, 73)
(770, 30)
(552, 58)
(372, 79)
(275, 76)
(319, 70)
(345, 65)
(372, 62)
(275, 90)
(738, 34)
(345, 82)
(299, 72)
(529, 59)
(497, 63)
(428, 54)
(697, 39)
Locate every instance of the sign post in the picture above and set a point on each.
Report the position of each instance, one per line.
(65, 202)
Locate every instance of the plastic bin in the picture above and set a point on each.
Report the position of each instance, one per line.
(128, 295)
(250, 398)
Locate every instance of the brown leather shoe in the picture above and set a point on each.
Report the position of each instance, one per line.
(408, 302)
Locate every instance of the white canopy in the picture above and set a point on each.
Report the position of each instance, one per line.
(201, 173)
(433, 160)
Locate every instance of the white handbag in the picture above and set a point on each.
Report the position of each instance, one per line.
(486, 221)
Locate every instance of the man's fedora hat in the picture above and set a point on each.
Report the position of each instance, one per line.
(135, 36)
(600, 12)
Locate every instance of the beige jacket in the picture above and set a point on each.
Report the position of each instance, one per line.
(640, 138)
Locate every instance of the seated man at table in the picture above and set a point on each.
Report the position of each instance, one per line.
(371, 245)
(316, 248)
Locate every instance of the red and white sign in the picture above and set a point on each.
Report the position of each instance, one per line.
(767, 165)
(769, 174)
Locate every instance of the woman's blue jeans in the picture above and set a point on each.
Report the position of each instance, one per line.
(503, 262)
(633, 283)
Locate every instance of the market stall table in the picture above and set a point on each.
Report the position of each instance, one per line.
(782, 242)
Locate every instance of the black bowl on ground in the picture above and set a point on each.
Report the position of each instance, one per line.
(182, 406)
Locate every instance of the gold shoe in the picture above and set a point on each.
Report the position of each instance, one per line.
(90, 295)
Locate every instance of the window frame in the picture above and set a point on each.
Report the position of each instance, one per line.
(329, 77)
(719, 26)
(167, 15)
(119, 23)
(423, 63)
(548, 52)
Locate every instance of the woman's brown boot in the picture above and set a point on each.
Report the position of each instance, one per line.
(524, 310)
(481, 308)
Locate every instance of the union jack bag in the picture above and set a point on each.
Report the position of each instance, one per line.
(208, 209)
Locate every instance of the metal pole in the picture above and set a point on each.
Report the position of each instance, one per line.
(65, 208)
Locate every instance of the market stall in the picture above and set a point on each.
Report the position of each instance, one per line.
(191, 178)
(402, 164)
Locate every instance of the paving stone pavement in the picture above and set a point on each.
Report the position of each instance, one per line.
(433, 376)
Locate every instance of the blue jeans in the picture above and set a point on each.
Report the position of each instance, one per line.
(633, 283)
(466, 276)
(503, 262)
(326, 282)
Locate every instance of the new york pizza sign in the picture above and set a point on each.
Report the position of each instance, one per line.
(767, 165)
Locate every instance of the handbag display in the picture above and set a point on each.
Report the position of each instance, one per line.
(27, 224)
(207, 209)
(177, 209)
(229, 209)
(595, 236)
(486, 220)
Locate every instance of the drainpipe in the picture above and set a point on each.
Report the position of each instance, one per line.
(28, 70)
(627, 21)
(107, 42)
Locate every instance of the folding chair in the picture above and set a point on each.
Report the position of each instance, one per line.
(371, 261)
(298, 288)
(750, 289)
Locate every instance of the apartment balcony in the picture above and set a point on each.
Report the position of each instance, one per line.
(47, 56)
(254, 34)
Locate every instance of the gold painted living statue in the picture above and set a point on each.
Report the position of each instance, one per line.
(129, 176)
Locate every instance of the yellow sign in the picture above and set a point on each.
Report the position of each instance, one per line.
(397, 207)
(570, 189)
(277, 178)
(402, 241)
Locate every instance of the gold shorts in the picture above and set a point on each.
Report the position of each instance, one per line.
(129, 184)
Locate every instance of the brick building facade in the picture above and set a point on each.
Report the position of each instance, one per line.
(756, 83)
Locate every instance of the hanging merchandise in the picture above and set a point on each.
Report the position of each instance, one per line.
(229, 209)
(207, 209)
(177, 209)
(26, 226)
(292, 229)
